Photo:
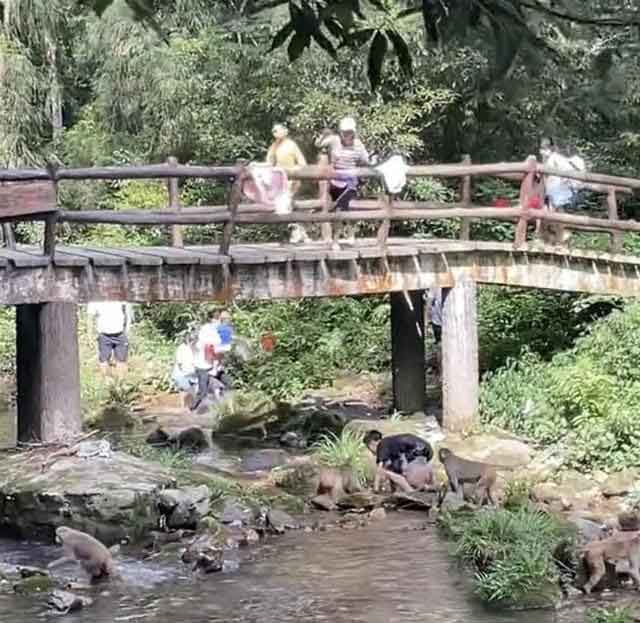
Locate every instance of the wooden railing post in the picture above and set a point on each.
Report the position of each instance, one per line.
(529, 188)
(234, 201)
(51, 219)
(323, 195)
(615, 243)
(174, 205)
(386, 202)
(465, 195)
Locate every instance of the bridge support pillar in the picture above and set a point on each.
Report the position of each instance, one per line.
(460, 371)
(407, 350)
(48, 372)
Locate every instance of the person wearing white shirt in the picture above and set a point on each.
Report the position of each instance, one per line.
(112, 321)
(184, 370)
(206, 359)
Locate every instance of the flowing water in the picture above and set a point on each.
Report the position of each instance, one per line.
(388, 572)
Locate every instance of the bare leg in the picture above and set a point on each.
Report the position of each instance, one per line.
(597, 572)
(399, 481)
(380, 473)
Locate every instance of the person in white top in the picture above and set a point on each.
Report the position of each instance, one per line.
(206, 359)
(112, 321)
(184, 370)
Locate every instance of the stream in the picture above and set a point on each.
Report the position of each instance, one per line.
(392, 571)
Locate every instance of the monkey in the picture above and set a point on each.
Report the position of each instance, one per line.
(191, 438)
(460, 471)
(616, 548)
(92, 555)
(335, 482)
(389, 451)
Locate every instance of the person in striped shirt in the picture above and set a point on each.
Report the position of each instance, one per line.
(346, 152)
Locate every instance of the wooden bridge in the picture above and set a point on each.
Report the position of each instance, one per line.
(47, 283)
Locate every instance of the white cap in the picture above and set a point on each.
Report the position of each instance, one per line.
(348, 124)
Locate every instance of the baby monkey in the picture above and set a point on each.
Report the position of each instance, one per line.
(92, 555)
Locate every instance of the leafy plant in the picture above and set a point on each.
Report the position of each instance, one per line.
(614, 614)
(346, 450)
(516, 494)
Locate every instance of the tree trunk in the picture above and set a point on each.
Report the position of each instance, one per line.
(407, 348)
(460, 372)
(48, 372)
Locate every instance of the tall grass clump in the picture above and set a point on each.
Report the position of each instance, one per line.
(344, 451)
(512, 553)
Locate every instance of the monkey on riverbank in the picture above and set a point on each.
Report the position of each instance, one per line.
(623, 546)
(461, 471)
(336, 482)
(92, 555)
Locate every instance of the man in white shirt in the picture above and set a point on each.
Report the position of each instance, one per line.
(113, 319)
(206, 359)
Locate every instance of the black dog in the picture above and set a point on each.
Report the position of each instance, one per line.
(389, 450)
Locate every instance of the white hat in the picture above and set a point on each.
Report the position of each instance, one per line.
(347, 124)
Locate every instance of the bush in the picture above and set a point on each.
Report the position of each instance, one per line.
(586, 397)
(610, 615)
(512, 553)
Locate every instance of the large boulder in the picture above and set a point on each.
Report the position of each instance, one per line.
(621, 483)
(494, 449)
(112, 497)
(184, 508)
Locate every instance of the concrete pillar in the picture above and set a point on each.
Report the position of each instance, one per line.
(460, 372)
(407, 350)
(48, 372)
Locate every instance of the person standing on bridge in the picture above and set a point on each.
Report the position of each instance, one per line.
(113, 320)
(346, 152)
(285, 153)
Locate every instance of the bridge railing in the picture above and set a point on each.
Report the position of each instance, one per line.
(31, 194)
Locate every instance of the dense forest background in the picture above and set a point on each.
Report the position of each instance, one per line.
(204, 81)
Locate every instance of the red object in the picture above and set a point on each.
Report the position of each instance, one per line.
(501, 202)
(535, 202)
(268, 342)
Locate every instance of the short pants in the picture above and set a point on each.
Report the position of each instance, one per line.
(116, 343)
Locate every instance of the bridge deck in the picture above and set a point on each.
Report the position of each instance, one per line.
(273, 270)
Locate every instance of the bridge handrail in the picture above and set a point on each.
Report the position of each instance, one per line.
(385, 208)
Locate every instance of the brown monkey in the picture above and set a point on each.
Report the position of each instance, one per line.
(620, 546)
(460, 471)
(94, 557)
(336, 482)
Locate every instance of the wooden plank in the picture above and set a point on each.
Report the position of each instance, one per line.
(23, 259)
(171, 256)
(367, 253)
(465, 195)
(211, 255)
(342, 254)
(174, 205)
(402, 251)
(131, 256)
(96, 258)
(23, 198)
(234, 202)
(310, 255)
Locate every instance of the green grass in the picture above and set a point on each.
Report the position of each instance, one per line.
(621, 614)
(346, 450)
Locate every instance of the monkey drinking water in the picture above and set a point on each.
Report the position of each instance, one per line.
(461, 471)
(92, 555)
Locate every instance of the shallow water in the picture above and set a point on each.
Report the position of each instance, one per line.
(388, 572)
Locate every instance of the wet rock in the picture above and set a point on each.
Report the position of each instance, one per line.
(300, 478)
(587, 530)
(415, 500)
(323, 502)
(263, 460)
(629, 520)
(29, 572)
(550, 492)
(104, 496)
(66, 602)
(249, 537)
(34, 584)
(278, 521)
(210, 562)
(293, 439)
(378, 514)
(453, 502)
(580, 485)
(236, 513)
(620, 483)
(205, 546)
(245, 413)
(184, 507)
(361, 500)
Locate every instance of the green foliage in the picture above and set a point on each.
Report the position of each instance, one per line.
(587, 397)
(612, 614)
(7, 340)
(170, 459)
(347, 450)
(516, 494)
(512, 553)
